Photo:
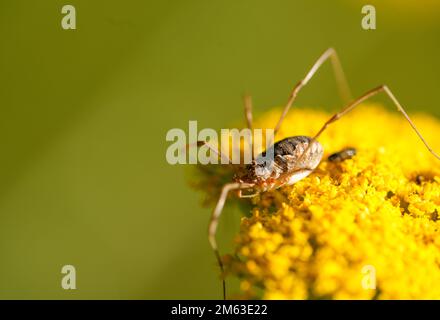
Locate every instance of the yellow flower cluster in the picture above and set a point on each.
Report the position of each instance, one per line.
(363, 228)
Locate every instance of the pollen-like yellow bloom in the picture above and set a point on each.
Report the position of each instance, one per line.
(363, 228)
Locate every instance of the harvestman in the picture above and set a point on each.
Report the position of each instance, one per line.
(294, 157)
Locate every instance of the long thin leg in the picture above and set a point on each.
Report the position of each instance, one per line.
(225, 158)
(367, 95)
(344, 89)
(251, 195)
(249, 121)
(248, 110)
(213, 223)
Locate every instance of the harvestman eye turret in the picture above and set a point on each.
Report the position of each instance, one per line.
(294, 158)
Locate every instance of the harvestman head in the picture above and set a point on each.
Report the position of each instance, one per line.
(294, 158)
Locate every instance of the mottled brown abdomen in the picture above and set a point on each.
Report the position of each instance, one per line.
(288, 157)
(292, 149)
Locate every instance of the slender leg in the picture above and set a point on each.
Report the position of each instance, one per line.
(212, 229)
(339, 75)
(251, 195)
(249, 121)
(224, 157)
(367, 95)
(248, 110)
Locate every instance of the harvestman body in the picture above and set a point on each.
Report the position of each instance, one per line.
(294, 158)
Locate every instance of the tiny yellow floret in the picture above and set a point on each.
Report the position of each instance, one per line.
(364, 228)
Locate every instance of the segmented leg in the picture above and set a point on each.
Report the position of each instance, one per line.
(224, 157)
(365, 96)
(344, 89)
(212, 229)
(248, 110)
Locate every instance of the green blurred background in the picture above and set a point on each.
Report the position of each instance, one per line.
(84, 113)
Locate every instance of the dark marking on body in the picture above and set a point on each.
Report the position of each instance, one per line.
(342, 155)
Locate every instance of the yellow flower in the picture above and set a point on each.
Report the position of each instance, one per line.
(379, 210)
